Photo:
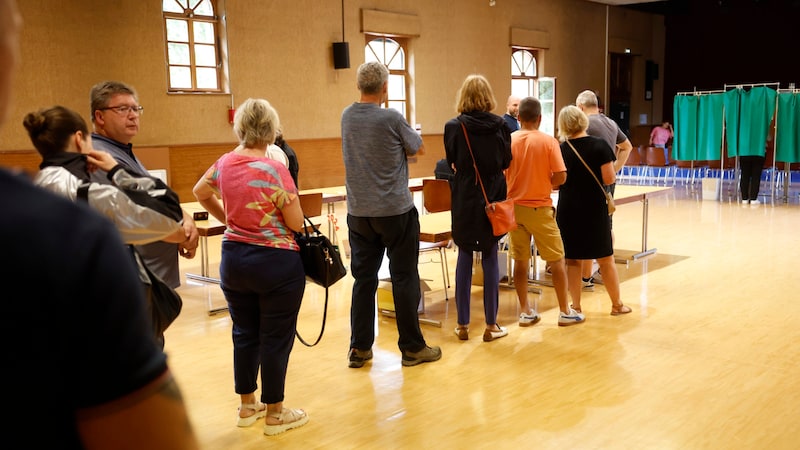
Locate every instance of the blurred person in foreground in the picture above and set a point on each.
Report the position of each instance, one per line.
(80, 330)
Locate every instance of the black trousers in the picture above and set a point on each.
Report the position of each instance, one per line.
(751, 176)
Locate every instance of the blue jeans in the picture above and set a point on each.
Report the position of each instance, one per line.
(491, 285)
(370, 237)
(264, 289)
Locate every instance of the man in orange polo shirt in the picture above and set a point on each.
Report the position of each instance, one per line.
(536, 168)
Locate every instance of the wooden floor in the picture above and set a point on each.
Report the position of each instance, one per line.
(709, 358)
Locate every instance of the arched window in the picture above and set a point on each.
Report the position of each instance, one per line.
(391, 52)
(525, 81)
(193, 35)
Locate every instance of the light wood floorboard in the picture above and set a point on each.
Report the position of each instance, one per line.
(709, 359)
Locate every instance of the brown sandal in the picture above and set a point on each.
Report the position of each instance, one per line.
(620, 310)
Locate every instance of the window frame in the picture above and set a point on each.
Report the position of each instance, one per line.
(221, 57)
(524, 85)
(402, 43)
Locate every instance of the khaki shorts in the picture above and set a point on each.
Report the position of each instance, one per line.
(541, 224)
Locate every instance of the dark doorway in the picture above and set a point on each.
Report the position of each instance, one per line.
(621, 82)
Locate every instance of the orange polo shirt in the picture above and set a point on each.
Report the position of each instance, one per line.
(535, 157)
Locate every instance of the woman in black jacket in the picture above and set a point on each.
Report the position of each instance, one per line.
(490, 140)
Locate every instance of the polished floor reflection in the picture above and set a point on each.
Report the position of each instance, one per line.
(707, 360)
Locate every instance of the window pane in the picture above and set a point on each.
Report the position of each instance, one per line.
(203, 8)
(178, 54)
(546, 89)
(205, 55)
(374, 51)
(523, 64)
(397, 59)
(519, 87)
(177, 30)
(172, 6)
(204, 32)
(397, 87)
(207, 78)
(180, 77)
(399, 106)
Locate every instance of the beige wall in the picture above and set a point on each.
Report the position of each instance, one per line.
(281, 50)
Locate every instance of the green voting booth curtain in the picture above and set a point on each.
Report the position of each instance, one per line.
(787, 137)
(698, 126)
(709, 129)
(684, 143)
(754, 110)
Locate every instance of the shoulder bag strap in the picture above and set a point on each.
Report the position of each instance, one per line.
(587, 168)
(474, 164)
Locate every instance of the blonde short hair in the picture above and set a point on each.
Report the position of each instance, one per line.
(475, 95)
(256, 123)
(571, 120)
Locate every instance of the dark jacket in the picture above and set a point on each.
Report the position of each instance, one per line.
(491, 144)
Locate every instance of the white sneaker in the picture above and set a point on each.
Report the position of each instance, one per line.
(526, 320)
(573, 318)
(744, 202)
(754, 202)
(587, 285)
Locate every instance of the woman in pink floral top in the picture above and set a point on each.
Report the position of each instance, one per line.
(261, 273)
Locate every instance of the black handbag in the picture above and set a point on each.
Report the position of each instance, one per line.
(322, 263)
(321, 259)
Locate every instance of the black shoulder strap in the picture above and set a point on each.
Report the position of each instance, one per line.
(83, 192)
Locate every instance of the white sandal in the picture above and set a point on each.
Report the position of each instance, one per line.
(290, 418)
(260, 411)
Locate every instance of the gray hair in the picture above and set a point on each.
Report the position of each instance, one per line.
(571, 120)
(256, 123)
(102, 92)
(371, 77)
(587, 98)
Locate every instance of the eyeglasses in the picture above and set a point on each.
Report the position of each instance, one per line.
(124, 110)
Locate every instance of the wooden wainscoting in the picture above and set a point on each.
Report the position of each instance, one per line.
(320, 161)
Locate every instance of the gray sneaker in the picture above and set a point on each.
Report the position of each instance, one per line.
(427, 354)
(357, 358)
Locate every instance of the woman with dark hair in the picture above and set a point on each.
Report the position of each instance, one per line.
(143, 209)
(490, 140)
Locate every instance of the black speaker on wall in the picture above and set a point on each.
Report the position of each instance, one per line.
(341, 55)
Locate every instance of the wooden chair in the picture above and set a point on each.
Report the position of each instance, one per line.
(312, 207)
(436, 198)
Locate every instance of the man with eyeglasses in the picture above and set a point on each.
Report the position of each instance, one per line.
(115, 117)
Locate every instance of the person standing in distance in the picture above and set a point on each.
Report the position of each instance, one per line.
(115, 117)
(75, 295)
(512, 113)
(381, 217)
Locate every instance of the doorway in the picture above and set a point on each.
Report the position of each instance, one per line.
(620, 87)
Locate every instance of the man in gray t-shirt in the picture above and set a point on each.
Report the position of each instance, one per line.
(381, 217)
